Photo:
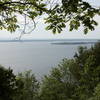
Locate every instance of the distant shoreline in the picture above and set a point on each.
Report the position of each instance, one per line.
(58, 41)
(73, 43)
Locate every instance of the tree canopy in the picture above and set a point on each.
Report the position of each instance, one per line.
(30, 87)
(9, 86)
(58, 13)
(74, 79)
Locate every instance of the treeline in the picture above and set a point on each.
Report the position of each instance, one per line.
(72, 79)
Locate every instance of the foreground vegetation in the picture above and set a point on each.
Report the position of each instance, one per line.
(72, 79)
(58, 14)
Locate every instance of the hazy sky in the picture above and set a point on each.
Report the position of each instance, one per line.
(41, 33)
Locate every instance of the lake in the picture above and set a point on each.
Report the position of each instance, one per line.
(38, 55)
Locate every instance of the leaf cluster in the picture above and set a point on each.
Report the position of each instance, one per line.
(9, 86)
(11, 9)
(77, 13)
(30, 87)
(73, 12)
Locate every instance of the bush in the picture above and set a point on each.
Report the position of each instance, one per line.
(74, 79)
(9, 86)
(30, 87)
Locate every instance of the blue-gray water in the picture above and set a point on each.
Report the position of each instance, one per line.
(39, 56)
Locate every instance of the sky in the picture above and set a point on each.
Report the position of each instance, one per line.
(41, 33)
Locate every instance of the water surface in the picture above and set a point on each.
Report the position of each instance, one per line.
(39, 56)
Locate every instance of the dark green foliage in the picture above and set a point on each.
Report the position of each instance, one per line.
(9, 86)
(75, 79)
(10, 9)
(89, 63)
(30, 88)
(96, 95)
(72, 79)
(21, 87)
(76, 12)
(56, 86)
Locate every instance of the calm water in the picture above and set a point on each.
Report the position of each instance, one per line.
(39, 56)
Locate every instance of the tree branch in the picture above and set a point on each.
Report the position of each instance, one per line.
(26, 3)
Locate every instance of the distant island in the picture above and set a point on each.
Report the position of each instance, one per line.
(72, 43)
